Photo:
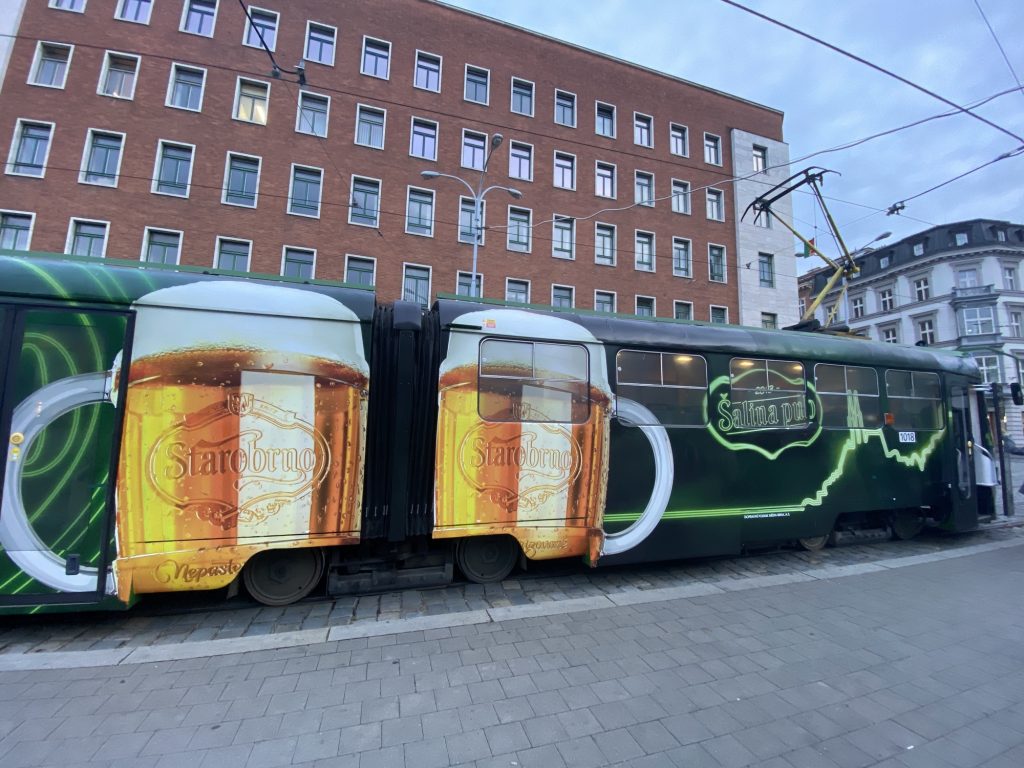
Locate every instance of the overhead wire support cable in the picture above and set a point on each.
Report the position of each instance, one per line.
(999, 45)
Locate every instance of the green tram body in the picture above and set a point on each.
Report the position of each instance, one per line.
(755, 453)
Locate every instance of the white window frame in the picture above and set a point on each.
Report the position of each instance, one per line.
(918, 322)
(413, 119)
(512, 96)
(31, 222)
(725, 264)
(518, 280)
(650, 129)
(227, 171)
(529, 230)
(708, 194)
(384, 128)
(687, 198)
(462, 148)
(170, 87)
(649, 202)
(284, 252)
(305, 48)
(927, 287)
(373, 259)
(615, 180)
(575, 108)
(298, 113)
(53, 4)
(532, 157)
(160, 143)
(440, 70)
(572, 293)
(184, 19)
(615, 120)
(119, 10)
(883, 334)
(147, 233)
(216, 250)
(465, 83)
(433, 210)
(758, 150)
(238, 95)
(555, 217)
(636, 251)
(555, 169)
(430, 278)
(857, 309)
(291, 190)
(459, 273)
(686, 139)
(351, 196)
(16, 144)
(272, 45)
(362, 57)
(71, 233)
(482, 234)
(718, 151)
(37, 58)
(676, 303)
(677, 273)
(615, 244)
(105, 70)
(712, 308)
(615, 300)
(85, 158)
(636, 305)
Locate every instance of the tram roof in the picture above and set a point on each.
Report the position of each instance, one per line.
(670, 334)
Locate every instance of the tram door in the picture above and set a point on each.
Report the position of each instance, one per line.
(59, 428)
(964, 498)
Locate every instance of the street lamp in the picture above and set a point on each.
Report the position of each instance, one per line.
(478, 196)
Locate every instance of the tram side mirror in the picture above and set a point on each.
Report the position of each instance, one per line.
(1016, 394)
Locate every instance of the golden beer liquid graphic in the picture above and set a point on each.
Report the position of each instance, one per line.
(235, 446)
(545, 477)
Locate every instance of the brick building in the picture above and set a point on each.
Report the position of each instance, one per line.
(155, 130)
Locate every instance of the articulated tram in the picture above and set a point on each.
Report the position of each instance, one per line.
(172, 429)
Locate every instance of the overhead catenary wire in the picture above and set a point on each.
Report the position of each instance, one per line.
(999, 45)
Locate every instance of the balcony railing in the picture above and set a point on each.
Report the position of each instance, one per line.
(972, 291)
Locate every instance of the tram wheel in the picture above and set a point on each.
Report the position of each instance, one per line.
(283, 576)
(486, 559)
(815, 543)
(906, 525)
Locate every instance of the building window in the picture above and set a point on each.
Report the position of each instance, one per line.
(30, 149)
(419, 212)
(682, 261)
(926, 331)
(763, 218)
(365, 208)
(562, 296)
(565, 108)
(1000, 235)
(978, 321)
(1015, 324)
(604, 301)
(161, 246)
(186, 88)
(643, 133)
(644, 306)
(15, 230)
(416, 284)
(886, 300)
(989, 367)
(117, 79)
(102, 160)
(424, 139)
(522, 97)
(50, 68)
(199, 16)
(716, 263)
(477, 85)
(682, 310)
(428, 72)
(719, 315)
(304, 195)
(680, 196)
(320, 43)
(174, 169)
(712, 149)
(967, 278)
(766, 269)
(644, 251)
(919, 249)
(298, 262)
(88, 238)
(1010, 278)
(517, 291)
(604, 180)
(313, 114)
(473, 150)
(604, 244)
(468, 228)
(604, 123)
(251, 100)
(715, 205)
(960, 239)
(465, 285)
(760, 157)
(376, 58)
(769, 320)
(370, 127)
(643, 184)
(883, 262)
(233, 255)
(922, 289)
(563, 240)
(891, 335)
(519, 229)
(241, 181)
(260, 29)
(565, 170)
(359, 271)
(678, 140)
(856, 307)
(520, 161)
(78, 6)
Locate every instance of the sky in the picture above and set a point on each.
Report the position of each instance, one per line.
(830, 100)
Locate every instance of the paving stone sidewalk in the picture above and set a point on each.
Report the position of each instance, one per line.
(912, 666)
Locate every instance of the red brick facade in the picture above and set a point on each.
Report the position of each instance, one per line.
(459, 39)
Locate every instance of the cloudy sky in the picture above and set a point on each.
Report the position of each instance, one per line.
(942, 45)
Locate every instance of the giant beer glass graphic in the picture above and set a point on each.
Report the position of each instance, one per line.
(522, 444)
(245, 418)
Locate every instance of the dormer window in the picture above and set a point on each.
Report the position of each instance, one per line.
(883, 262)
(960, 238)
(919, 249)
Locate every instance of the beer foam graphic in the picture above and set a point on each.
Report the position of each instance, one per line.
(247, 315)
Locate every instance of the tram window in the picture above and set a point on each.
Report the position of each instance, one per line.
(767, 394)
(915, 399)
(671, 385)
(848, 395)
(526, 381)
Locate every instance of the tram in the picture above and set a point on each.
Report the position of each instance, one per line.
(171, 429)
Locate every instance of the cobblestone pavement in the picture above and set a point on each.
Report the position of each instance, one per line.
(917, 666)
(199, 617)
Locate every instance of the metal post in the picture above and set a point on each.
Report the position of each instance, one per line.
(1007, 481)
(473, 291)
